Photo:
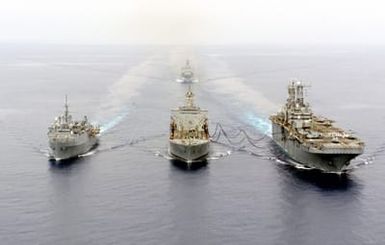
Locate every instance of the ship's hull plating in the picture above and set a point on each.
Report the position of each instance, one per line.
(189, 152)
(330, 162)
(62, 150)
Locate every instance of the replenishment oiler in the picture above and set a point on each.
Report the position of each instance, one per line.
(189, 134)
(69, 138)
(311, 140)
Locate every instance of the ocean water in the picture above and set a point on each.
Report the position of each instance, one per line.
(129, 191)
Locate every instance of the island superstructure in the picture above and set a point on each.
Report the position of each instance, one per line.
(311, 140)
(187, 74)
(69, 138)
(189, 134)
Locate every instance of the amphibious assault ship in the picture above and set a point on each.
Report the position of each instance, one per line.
(189, 134)
(187, 74)
(69, 138)
(311, 140)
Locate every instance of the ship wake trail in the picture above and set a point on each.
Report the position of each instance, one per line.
(133, 142)
(369, 158)
(117, 104)
(260, 123)
(228, 84)
(240, 140)
(251, 105)
(113, 122)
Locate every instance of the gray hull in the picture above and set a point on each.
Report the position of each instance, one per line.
(189, 152)
(327, 161)
(61, 151)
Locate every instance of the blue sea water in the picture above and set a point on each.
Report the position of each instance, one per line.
(128, 191)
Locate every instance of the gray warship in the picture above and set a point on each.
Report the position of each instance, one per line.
(311, 140)
(69, 138)
(189, 134)
(187, 74)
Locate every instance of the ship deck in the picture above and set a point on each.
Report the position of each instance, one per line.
(322, 135)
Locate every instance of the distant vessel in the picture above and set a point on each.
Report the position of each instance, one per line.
(69, 138)
(189, 133)
(187, 74)
(310, 140)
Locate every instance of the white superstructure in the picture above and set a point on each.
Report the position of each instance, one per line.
(69, 138)
(189, 134)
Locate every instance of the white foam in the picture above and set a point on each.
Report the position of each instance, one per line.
(88, 153)
(261, 124)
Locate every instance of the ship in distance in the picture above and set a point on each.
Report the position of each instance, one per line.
(69, 138)
(187, 74)
(311, 140)
(189, 134)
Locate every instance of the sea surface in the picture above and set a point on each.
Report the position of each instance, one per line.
(129, 191)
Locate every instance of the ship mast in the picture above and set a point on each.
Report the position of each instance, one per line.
(299, 93)
(291, 92)
(66, 110)
(190, 98)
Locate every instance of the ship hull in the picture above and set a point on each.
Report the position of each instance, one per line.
(189, 152)
(64, 150)
(326, 161)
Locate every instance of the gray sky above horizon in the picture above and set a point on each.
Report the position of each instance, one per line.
(193, 21)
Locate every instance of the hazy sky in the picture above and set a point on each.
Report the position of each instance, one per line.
(193, 21)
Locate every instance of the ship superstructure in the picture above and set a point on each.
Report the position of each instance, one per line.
(311, 140)
(189, 134)
(69, 138)
(187, 74)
